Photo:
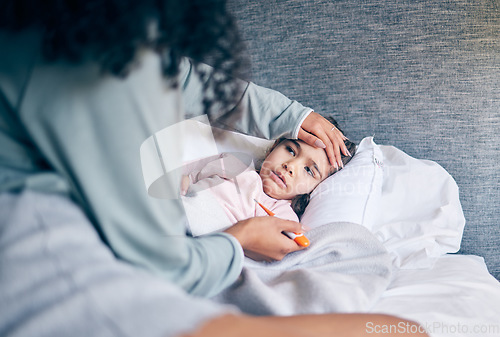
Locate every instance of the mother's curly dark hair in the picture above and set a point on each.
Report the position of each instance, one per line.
(111, 32)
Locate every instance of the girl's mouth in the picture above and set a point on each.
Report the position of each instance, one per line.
(278, 179)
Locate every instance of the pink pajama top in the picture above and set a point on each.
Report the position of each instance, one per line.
(228, 182)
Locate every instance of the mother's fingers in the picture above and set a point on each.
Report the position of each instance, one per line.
(317, 130)
(322, 140)
(312, 139)
(262, 239)
(337, 139)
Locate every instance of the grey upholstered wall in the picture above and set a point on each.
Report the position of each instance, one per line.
(421, 75)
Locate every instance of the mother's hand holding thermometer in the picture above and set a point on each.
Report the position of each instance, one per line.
(299, 238)
(267, 238)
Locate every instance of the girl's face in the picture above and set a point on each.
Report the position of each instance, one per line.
(293, 168)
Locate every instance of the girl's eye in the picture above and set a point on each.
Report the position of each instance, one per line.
(309, 171)
(292, 151)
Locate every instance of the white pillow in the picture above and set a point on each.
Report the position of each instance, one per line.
(411, 205)
(352, 194)
(420, 216)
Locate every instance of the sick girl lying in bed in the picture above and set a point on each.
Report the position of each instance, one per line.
(289, 173)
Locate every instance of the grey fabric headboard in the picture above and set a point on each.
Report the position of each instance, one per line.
(423, 76)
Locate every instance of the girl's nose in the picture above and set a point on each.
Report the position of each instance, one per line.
(288, 168)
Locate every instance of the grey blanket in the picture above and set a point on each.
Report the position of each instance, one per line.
(345, 269)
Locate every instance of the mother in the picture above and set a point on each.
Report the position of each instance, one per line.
(82, 85)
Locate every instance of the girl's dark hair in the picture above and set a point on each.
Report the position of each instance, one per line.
(111, 32)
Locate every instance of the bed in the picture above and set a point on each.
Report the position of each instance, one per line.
(384, 232)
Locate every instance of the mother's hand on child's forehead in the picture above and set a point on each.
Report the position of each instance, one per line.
(319, 132)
